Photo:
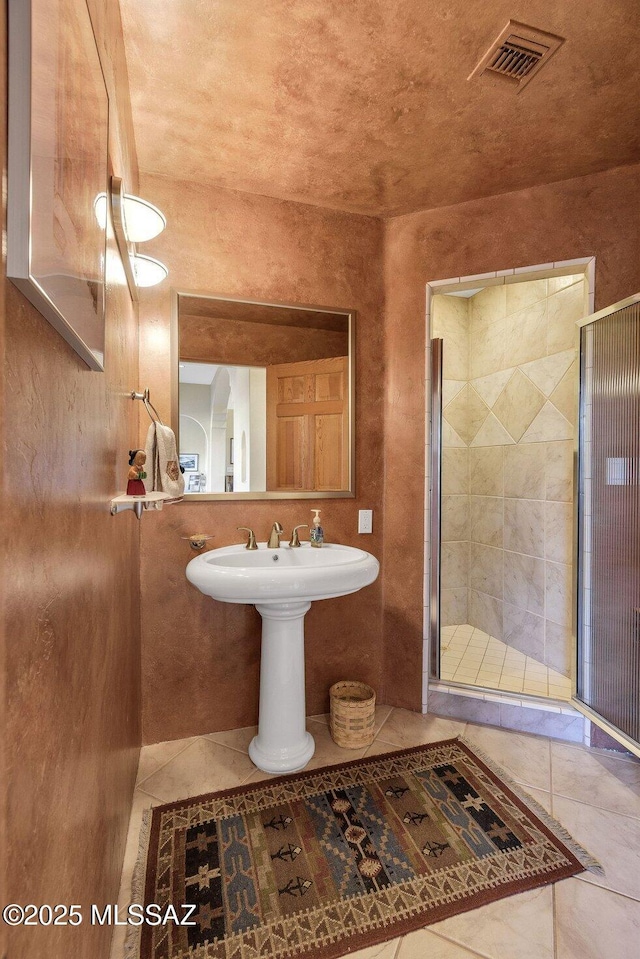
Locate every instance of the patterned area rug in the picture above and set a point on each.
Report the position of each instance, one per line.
(325, 862)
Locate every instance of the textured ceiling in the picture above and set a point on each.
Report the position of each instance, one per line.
(364, 105)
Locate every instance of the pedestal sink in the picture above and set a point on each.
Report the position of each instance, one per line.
(282, 583)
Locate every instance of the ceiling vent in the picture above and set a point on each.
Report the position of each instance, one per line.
(518, 53)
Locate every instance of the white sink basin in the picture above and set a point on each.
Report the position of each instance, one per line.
(234, 574)
(282, 583)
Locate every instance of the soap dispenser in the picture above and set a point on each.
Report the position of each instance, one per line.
(316, 536)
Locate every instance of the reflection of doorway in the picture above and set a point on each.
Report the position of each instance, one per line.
(308, 425)
(195, 441)
(218, 404)
(507, 434)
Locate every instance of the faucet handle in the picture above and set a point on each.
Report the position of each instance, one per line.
(274, 538)
(251, 541)
(295, 539)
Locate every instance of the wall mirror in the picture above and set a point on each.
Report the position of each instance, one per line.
(263, 398)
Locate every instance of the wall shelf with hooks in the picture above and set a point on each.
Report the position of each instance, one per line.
(149, 501)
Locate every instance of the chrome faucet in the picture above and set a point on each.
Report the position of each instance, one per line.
(295, 539)
(274, 539)
(251, 540)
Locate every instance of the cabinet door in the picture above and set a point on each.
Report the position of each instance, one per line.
(308, 425)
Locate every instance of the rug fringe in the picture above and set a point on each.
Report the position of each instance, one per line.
(582, 855)
(132, 938)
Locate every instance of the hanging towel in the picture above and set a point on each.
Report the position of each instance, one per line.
(163, 468)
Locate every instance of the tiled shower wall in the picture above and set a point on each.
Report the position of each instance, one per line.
(509, 408)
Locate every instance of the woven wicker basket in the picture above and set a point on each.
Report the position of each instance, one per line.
(353, 712)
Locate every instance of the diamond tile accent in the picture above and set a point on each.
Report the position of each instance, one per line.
(478, 411)
(548, 426)
(518, 404)
(450, 439)
(492, 433)
(564, 396)
(547, 372)
(490, 387)
(466, 413)
(450, 389)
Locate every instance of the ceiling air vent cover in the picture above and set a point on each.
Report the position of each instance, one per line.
(518, 53)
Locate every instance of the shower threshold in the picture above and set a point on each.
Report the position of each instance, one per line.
(474, 658)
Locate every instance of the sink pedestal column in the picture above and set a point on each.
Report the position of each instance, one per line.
(283, 744)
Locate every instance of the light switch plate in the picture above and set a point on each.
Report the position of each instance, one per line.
(365, 521)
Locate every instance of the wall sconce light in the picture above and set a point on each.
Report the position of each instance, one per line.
(134, 221)
(100, 210)
(148, 271)
(142, 220)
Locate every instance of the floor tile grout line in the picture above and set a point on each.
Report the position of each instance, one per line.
(614, 892)
(606, 754)
(583, 802)
(235, 749)
(248, 777)
(150, 794)
(192, 739)
(457, 942)
(386, 742)
(382, 724)
(319, 722)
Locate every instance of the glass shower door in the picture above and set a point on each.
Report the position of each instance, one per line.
(608, 626)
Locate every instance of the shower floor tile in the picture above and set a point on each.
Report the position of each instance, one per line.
(473, 657)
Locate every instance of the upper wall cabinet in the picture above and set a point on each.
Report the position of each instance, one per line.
(263, 398)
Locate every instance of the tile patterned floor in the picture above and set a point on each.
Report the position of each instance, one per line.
(470, 656)
(595, 794)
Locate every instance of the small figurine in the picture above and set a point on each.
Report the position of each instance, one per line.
(135, 486)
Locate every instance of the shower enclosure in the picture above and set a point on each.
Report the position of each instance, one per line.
(504, 420)
(535, 579)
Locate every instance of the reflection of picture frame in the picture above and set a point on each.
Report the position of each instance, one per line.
(58, 154)
(231, 451)
(193, 486)
(190, 462)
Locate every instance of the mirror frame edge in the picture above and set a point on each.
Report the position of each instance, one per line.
(174, 350)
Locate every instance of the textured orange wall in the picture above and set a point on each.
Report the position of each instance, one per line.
(201, 658)
(255, 344)
(71, 607)
(594, 215)
(4, 556)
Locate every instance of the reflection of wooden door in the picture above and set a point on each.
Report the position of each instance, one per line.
(308, 425)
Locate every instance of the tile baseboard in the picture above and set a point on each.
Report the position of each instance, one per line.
(545, 718)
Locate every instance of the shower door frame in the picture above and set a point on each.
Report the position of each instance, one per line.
(435, 513)
(433, 465)
(591, 714)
